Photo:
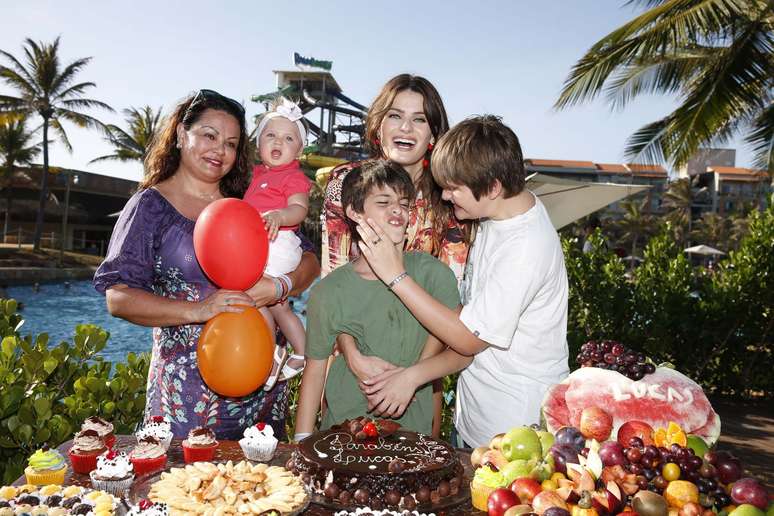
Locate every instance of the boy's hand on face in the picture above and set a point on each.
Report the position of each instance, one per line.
(384, 257)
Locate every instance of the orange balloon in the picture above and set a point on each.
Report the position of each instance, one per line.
(235, 352)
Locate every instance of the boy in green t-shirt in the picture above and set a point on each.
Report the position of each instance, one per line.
(353, 301)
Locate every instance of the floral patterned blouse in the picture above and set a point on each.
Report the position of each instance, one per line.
(152, 249)
(337, 248)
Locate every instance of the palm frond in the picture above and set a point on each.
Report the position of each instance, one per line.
(24, 78)
(761, 139)
(648, 144)
(85, 104)
(57, 127)
(69, 72)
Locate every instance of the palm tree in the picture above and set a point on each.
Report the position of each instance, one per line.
(46, 88)
(713, 230)
(716, 56)
(131, 145)
(678, 200)
(16, 148)
(635, 224)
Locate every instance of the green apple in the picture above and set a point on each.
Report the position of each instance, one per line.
(698, 445)
(747, 509)
(547, 440)
(516, 469)
(521, 442)
(543, 470)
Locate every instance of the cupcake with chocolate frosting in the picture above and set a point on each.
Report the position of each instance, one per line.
(114, 473)
(87, 446)
(148, 456)
(102, 427)
(200, 445)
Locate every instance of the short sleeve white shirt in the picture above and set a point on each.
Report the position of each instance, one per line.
(515, 299)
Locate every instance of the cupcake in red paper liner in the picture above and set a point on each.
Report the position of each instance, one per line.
(102, 427)
(148, 456)
(259, 442)
(200, 445)
(159, 428)
(114, 473)
(87, 446)
(46, 466)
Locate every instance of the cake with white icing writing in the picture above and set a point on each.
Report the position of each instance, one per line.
(351, 465)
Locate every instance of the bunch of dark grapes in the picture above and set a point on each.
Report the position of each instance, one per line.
(614, 356)
(655, 467)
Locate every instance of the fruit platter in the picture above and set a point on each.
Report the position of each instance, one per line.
(622, 436)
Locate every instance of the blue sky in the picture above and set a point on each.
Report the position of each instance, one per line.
(507, 57)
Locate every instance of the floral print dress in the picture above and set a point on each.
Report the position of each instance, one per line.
(337, 248)
(152, 249)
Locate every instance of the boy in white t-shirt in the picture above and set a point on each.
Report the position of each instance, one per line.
(510, 337)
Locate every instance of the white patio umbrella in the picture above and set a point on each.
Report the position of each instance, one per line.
(704, 249)
(567, 201)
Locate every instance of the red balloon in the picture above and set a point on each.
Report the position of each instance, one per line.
(235, 352)
(231, 243)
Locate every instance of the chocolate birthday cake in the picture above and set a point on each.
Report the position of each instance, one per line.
(371, 463)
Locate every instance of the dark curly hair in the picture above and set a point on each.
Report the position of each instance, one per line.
(163, 157)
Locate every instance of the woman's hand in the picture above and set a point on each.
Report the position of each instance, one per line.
(272, 221)
(263, 293)
(365, 367)
(390, 393)
(384, 257)
(221, 301)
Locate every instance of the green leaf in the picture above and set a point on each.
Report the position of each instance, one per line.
(8, 347)
(43, 435)
(12, 423)
(10, 307)
(50, 364)
(24, 433)
(42, 406)
(94, 385)
(108, 407)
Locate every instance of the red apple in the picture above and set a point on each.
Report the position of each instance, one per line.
(595, 423)
(500, 500)
(635, 429)
(525, 488)
(749, 490)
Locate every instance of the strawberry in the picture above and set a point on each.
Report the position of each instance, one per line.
(157, 419)
(370, 429)
(111, 454)
(260, 426)
(145, 504)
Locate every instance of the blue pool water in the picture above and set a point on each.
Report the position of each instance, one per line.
(56, 309)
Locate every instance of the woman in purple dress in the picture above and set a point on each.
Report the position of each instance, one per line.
(150, 275)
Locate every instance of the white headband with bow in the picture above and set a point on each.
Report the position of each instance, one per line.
(289, 110)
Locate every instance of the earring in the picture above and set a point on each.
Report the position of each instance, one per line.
(377, 142)
(178, 145)
(430, 147)
(425, 163)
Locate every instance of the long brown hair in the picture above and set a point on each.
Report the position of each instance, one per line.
(440, 210)
(163, 157)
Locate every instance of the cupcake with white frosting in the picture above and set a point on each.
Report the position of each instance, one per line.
(114, 473)
(159, 428)
(259, 443)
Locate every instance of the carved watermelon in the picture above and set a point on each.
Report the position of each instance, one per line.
(664, 396)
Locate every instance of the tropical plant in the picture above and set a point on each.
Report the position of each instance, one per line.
(678, 200)
(132, 144)
(713, 230)
(45, 88)
(47, 391)
(635, 225)
(716, 56)
(16, 148)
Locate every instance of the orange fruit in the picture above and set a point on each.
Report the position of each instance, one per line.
(680, 492)
(672, 434)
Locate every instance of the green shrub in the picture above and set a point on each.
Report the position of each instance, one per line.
(47, 391)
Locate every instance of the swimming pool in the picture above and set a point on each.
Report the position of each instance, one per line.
(57, 308)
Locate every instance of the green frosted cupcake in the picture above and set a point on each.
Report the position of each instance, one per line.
(46, 466)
